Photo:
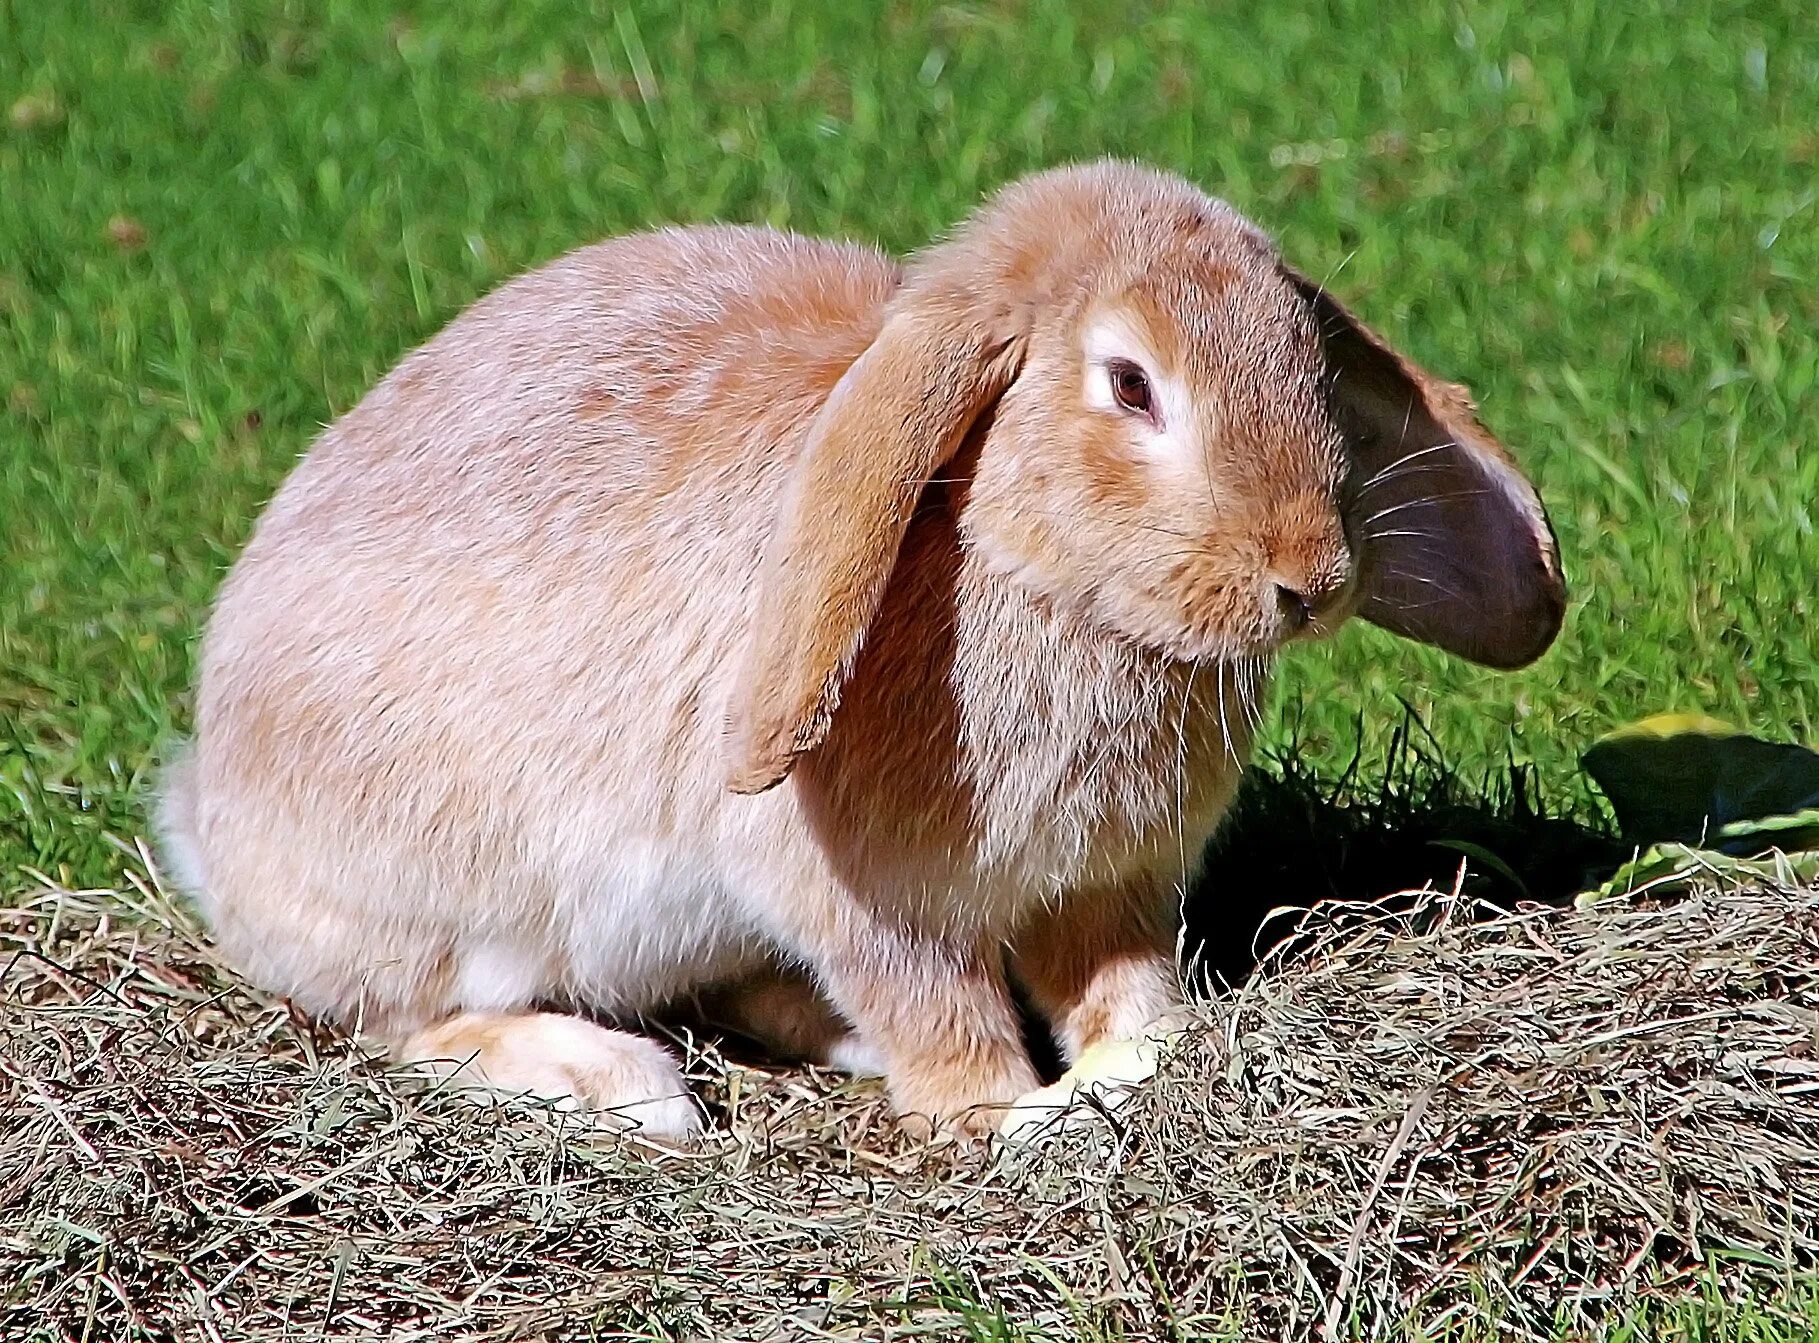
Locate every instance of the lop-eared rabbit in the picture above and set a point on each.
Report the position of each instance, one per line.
(720, 615)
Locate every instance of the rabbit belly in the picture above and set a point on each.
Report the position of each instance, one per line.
(653, 920)
(393, 931)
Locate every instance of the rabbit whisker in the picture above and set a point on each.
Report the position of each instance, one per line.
(1431, 582)
(1425, 545)
(1226, 672)
(1395, 470)
(1406, 458)
(1360, 492)
(1025, 511)
(1187, 698)
(1193, 553)
(1253, 700)
(1417, 502)
(1113, 736)
(1400, 531)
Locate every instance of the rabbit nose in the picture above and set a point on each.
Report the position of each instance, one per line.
(1300, 604)
(1297, 608)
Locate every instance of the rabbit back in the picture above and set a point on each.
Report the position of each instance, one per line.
(459, 680)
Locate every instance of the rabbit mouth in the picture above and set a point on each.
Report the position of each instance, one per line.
(1218, 647)
(1281, 617)
(1308, 621)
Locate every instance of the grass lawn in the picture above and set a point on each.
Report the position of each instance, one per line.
(221, 223)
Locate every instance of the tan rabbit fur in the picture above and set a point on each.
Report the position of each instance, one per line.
(982, 562)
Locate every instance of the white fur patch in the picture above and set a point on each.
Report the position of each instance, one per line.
(1111, 338)
(641, 920)
(494, 976)
(174, 820)
(852, 1055)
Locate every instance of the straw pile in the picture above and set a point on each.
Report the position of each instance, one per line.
(1467, 1119)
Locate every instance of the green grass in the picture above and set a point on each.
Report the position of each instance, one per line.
(220, 223)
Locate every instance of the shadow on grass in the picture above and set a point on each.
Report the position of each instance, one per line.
(1293, 839)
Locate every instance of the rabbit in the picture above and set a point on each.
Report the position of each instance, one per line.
(717, 614)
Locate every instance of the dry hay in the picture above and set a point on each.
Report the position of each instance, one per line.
(1517, 1118)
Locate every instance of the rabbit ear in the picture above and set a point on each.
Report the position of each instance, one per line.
(1454, 546)
(896, 416)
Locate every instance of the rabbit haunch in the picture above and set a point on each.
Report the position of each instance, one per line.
(982, 562)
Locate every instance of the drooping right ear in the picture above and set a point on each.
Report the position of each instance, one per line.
(1455, 546)
(894, 419)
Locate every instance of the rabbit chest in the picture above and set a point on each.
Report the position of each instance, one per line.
(999, 749)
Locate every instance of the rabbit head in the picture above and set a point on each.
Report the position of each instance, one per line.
(1160, 425)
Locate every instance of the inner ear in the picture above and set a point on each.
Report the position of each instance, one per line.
(1454, 546)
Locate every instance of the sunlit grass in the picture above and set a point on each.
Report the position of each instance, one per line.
(220, 224)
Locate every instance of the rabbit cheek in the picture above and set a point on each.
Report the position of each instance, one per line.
(1180, 603)
(1086, 523)
(1168, 568)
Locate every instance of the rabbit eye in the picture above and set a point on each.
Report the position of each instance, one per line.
(1131, 388)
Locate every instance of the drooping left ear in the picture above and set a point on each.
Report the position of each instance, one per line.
(1454, 546)
(896, 416)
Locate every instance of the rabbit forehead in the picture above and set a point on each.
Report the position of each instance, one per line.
(1050, 241)
(1204, 313)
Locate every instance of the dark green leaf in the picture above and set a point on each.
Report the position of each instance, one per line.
(1678, 778)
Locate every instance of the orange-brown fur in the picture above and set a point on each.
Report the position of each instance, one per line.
(722, 506)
